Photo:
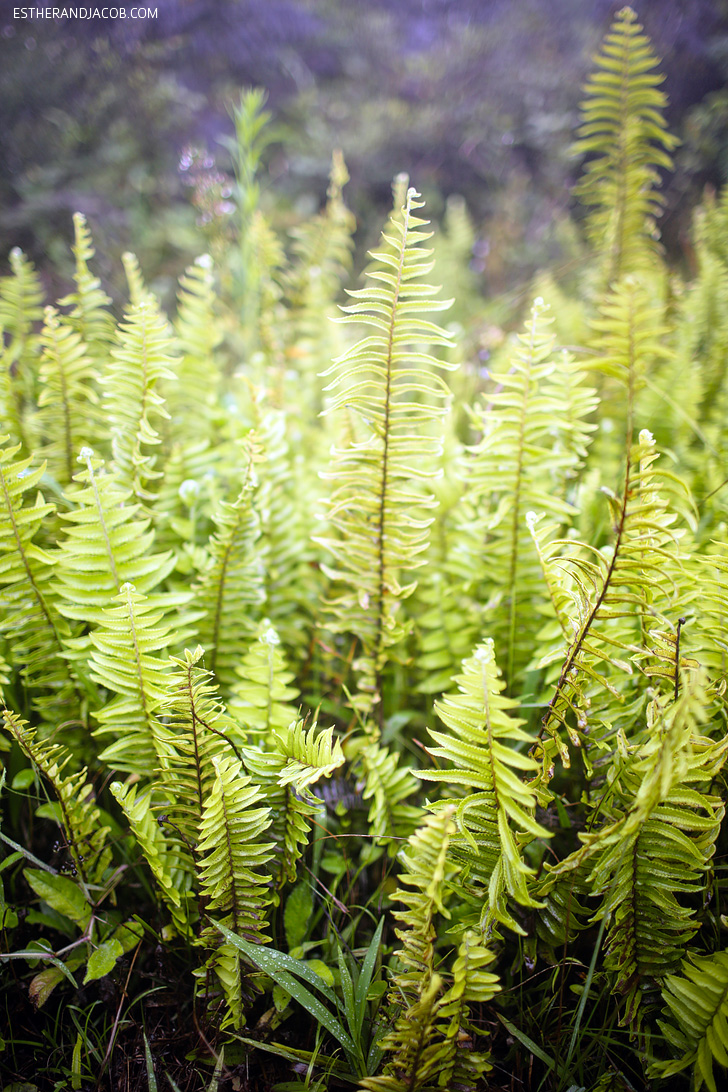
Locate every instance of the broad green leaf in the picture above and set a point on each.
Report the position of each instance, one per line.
(61, 894)
(103, 959)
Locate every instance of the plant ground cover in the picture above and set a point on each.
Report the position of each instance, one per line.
(364, 681)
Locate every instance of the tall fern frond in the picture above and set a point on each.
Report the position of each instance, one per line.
(193, 730)
(617, 595)
(74, 808)
(106, 545)
(377, 512)
(167, 855)
(140, 362)
(89, 315)
(229, 591)
(485, 747)
(124, 662)
(193, 396)
(31, 621)
(518, 466)
(262, 695)
(648, 859)
(624, 133)
(21, 298)
(67, 401)
(232, 871)
(425, 1041)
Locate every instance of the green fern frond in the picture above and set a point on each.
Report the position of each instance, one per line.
(496, 818)
(518, 466)
(231, 857)
(106, 545)
(388, 785)
(140, 362)
(138, 291)
(624, 132)
(193, 396)
(192, 730)
(74, 809)
(291, 814)
(697, 1002)
(67, 401)
(21, 298)
(309, 755)
(229, 591)
(377, 511)
(124, 662)
(31, 622)
(89, 315)
(166, 854)
(656, 841)
(617, 595)
(232, 873)
(262, 695)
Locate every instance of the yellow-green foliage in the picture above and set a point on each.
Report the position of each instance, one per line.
(241, 550)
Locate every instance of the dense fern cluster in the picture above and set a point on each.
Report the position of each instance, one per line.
(361, 679)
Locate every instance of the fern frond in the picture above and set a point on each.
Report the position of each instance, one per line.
(89, 316)
(309, 755)
(496, 817)
(192, 730)
(617, 594)
(106, 545)
(388, 784)
(229, 591)
(518, 466)
(124, 661)
(21, 298)
(75, 809)
(31, 621)
(624, 131)
(142, 359)
(166, 854)
(231, 870)
(657, 838)
(193, 396)
(377, 511)
(697, 1002)
(232, 858)
(291, 814)
(262, 695)
(67, 401)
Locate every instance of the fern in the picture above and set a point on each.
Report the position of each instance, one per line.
(168, 857)
(105, 546)
(517, 467)
(231, 872)
(697, 1002)
(655, 845)
(124, 661)
(89, 315)
(31, 620)
(497, 816)
(624, 132)
(262, 695)
(377, 510)
(67, 399)
(230, 589)
(75, 810)
(141, 360)
(192, 730)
